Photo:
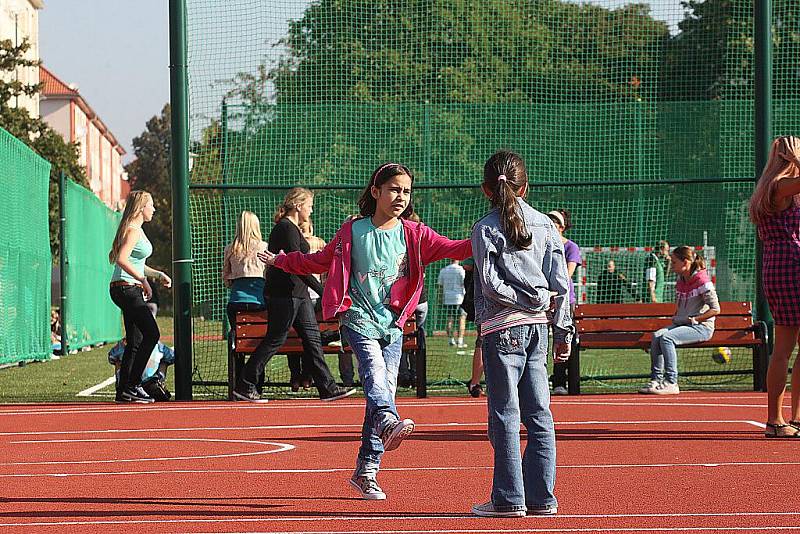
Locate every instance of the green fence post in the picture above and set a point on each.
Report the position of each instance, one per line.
(181, 238)
(763, 128)
(62, 260)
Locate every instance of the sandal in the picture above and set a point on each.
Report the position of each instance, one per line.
(781, 431)
(795, 423)
(474, 390)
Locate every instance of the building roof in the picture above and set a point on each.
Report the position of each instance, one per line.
(53, 88)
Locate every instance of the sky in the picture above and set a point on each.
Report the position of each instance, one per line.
(117, 51)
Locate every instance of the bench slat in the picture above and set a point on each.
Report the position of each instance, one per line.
(244, 331)
(648, 309)
(295, 346)
(648, 324)
(642, 339)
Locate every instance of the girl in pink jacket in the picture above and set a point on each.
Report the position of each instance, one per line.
(375, 267)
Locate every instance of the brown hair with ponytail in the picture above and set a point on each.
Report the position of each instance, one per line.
(504, 179)
(684, 253)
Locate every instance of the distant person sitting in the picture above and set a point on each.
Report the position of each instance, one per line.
(612, 285)
(451, 278)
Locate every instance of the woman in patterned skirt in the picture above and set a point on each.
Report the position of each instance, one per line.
(775, 210)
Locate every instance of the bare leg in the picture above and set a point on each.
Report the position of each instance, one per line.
(477, 366)
(462, 327)
(785, 341)
(796, 386)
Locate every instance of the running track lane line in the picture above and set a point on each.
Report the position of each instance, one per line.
(350, 469)
(460, 517)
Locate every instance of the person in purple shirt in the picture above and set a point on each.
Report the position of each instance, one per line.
(563, 221)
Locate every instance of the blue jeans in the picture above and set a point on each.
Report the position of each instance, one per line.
(515, 364)
(378, 363)
(663, 354)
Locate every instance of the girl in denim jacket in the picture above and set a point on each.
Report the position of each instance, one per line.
(375, 265)
(521, 286)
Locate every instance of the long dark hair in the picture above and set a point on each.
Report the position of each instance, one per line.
(504, 176)
(367, 203)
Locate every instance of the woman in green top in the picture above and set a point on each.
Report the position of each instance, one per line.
(130, 290)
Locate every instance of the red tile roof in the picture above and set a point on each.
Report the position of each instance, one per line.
(51, 85)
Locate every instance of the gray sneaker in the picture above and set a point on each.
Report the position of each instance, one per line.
(394, 433)
(368, 488)
(542, 510)
(490, 510)
(249, 394)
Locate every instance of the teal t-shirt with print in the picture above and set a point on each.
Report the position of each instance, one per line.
(377, 259)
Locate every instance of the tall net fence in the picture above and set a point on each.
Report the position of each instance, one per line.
(636, 117)
(90, 226)
(25, 261)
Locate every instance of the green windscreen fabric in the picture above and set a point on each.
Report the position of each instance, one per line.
(91, 317)
(637, 117)
(25, 261)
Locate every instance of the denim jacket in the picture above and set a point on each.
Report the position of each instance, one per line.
(531, 280)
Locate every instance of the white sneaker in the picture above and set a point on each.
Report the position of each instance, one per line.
(547, 510)
(650, 387)
(560, 390)
(368, 488)
(461, 344)
(452, 342)
(490, 510)
(667, 388)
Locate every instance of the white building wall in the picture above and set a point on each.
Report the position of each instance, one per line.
(19, 19)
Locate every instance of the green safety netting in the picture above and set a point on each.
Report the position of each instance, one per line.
(637, 117)
(90, 226)
(25, 261)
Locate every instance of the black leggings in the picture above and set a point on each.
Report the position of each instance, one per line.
(141, 334)
(283, 313)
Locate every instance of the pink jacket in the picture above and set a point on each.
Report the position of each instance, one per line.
(423, 246)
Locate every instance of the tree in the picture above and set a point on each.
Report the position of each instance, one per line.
(34, 132)
(150, 171)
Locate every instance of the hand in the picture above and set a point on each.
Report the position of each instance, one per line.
(561, 352)
(268, 257)
(146, 289)
(166, 281)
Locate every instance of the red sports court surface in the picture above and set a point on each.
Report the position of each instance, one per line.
(626, 463)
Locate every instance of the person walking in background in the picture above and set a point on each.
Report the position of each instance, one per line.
(563, 221)
(522, 275)
(775, 210)
(130, 291)
(696, 305)
(653, 283)
(289, 305)
(242, 272)
(451, 279)
(612, 285)
(375, 268)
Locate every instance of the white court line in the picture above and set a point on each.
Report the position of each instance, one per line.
(290, 405)
(315, 472)
(280, 447)
(340, 426)
(460, 517)
(97, 387)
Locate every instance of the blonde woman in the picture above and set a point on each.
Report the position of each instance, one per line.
(130, 291)
(775, 210)
(242, 272)
(289, 305)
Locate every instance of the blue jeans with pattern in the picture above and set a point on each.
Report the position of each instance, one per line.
(378, 363)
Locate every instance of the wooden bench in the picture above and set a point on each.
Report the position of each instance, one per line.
(631, 326)
(251, 328)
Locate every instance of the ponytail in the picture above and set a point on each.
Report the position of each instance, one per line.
(685, 253)
(504, 175)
